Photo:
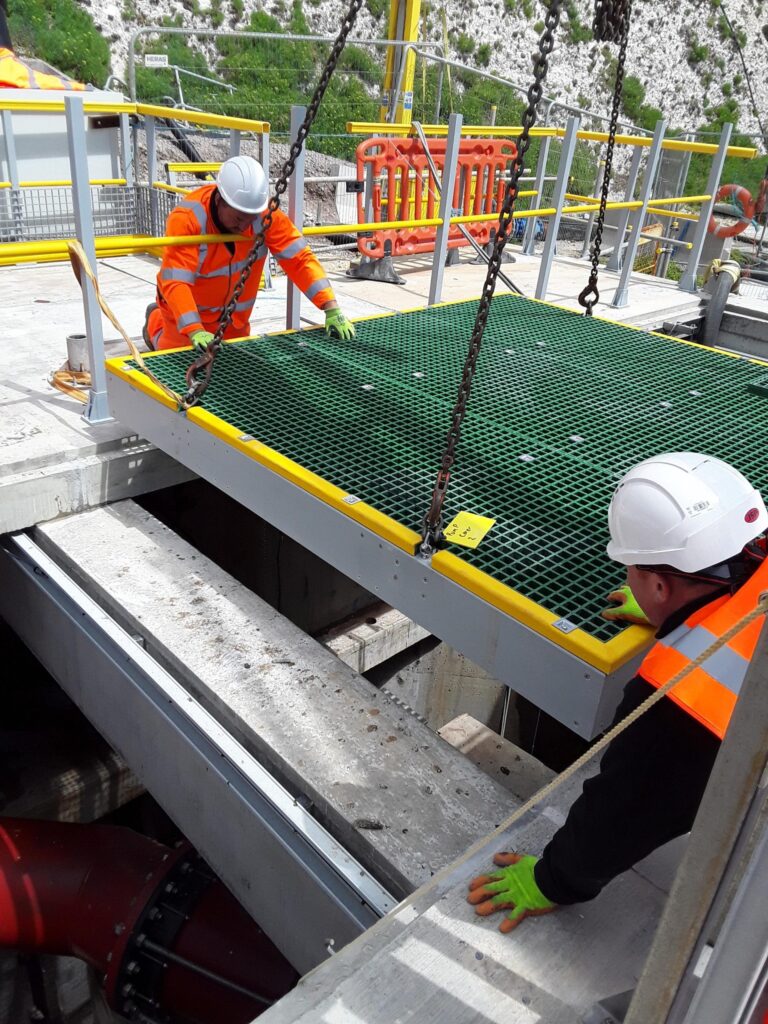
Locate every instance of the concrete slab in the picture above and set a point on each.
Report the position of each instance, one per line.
(433, 960)
(396, 796)
(51, 461)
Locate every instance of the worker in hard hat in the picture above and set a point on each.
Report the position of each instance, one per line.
(196, 281)
(690, 530)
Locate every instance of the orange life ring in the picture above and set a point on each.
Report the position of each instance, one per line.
(738, 196)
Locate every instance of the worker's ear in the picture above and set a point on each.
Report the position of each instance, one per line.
(657, 590)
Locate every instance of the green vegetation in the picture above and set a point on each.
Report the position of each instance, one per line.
(465, 44)
(61, 33)
(632, 101)
(697, 52)
(377, 7)
(483, 55)
(578, 32)
(526, 6)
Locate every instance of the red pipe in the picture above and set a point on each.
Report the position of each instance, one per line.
(84, 890)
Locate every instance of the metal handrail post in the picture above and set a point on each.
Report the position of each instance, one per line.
(234, 142)
(722, 813)
(529, 235)
(452, 147)
(296, 213)
(264, 157)
(558, 198)
(637, 217)
(687, 282)
(615, 259)
(97, 409)
(587, 244)
(151, 142)
(126, 146)
(13, 173)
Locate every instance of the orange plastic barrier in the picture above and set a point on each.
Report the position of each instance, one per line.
(404, 189)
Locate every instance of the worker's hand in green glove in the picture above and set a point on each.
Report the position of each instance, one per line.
(625, 608)
(337, 325)
(201, 339)
(512, 888)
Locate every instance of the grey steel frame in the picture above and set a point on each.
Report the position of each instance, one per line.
(571, 690)
(296, 213)
(688, 280)
(637, 217)
(97, 409)
(276, 858)
(558, 198)
(446, 186)
(614, 260)
(663, 994)
(529, 235)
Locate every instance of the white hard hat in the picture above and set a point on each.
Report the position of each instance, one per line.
(243, 184)
(683, 509)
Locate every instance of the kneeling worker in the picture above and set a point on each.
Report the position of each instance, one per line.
(689, 529)
(195, 282)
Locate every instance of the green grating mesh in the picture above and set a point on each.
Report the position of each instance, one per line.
(562, 406)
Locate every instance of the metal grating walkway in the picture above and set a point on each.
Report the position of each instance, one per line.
(561, 407)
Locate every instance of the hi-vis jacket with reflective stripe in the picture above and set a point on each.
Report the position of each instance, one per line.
(709, 693)
(195, 282)
(14, 73)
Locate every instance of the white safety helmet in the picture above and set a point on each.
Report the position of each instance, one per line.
(243, 184)
(683, 509)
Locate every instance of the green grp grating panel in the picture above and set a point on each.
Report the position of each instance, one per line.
(562, 406)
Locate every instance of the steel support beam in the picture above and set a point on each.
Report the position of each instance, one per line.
(305, 890)
(688, 280)
(637, 217)
(97, 409)
(12, 167)
(735, 777)
(446, 186)
(558, 199)
(616, 257)
(296, 213)
(529, 235)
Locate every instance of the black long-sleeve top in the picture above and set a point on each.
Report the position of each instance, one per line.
(651, 780)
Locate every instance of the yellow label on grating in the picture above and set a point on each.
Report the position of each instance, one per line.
(468, 529)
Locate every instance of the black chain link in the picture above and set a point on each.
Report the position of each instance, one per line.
(611, 24)
(433, 520)
(196, 385)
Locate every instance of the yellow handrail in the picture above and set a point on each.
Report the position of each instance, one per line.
(193, 168)
(494, 131)
(63, 183)
(147, 109)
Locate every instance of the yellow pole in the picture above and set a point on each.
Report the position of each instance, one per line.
(403, 28)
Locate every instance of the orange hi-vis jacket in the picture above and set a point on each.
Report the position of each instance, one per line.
(14, 73)
(710, 692)
(195, 281)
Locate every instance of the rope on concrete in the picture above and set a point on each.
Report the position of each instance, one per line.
(80, 264)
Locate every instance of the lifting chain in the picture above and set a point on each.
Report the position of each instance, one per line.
(199, 373)
(611, 24)
(433, 520)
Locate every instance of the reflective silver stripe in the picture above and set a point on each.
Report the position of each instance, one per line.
(201, 257)
(726, 665)
(176, 274)
(239, 307)
(186, 319)
(318, 286)
(291, 250)
(232, 268)
(199, 211)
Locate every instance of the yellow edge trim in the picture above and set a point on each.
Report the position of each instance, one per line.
(605, 657)
(382, 525)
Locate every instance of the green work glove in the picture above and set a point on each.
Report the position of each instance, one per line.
(337, 325)
(625, 609)
(513, 888)
(201, 339)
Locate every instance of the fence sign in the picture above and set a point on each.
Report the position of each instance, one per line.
(155, 60)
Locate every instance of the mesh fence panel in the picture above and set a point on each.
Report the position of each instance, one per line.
(37, 214)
